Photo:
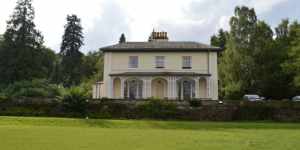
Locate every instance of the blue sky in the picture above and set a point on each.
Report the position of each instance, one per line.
(105, 20)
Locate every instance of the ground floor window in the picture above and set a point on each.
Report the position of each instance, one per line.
(186, 89)
(133, 89)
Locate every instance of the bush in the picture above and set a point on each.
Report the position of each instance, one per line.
(3, 97)
(195, 103)
(75, 100)
(254, 111)
(35, 88)
(159, 109)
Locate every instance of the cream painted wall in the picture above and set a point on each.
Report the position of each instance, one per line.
(173, 62)
(213, 70)
(202, 62)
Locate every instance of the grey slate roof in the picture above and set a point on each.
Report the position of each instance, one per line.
(159, 74)
(160, 46)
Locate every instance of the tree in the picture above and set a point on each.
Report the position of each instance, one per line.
(22, 52)
(282, 31)
(93, 65)
(236, 68)
(292, 64)
(220, 39)
(122, 38)
(266, 58)
(71, 62)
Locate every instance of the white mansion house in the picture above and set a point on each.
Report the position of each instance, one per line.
(159, 68)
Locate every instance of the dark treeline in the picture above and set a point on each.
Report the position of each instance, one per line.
(257, 59)
(24, 57)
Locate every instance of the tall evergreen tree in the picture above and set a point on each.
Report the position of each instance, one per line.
(71, 56)
(20, 57)
(220, 39)
(122, 38)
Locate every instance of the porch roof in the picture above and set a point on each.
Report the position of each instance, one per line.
(159, 74)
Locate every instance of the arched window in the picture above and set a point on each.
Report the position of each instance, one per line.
(186, 89)
(117, 88)
(133, 89)
(159, 88)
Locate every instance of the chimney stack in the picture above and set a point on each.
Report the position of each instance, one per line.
(158, 36)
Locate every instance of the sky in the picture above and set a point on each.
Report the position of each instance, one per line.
(184, 20)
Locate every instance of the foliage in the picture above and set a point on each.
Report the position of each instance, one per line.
(220, 39)
(35, 88)
(93, 66)
(71, 62)
(75, 100)
(292, 64)
(195, 103)
(160, 109)
(122, 38)
(237, 64)
(3, 97)
(252, 55)
(22, 56)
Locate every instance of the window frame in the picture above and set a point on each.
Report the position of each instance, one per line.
(133, 64)
(186, 62)
(160, 61)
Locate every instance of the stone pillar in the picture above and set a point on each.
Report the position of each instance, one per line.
(169, 89)
(149, 87)
(146, 87)
(197, 88)
(174, 88)
(208, 87)
(122, 87)
(145, 84)
(110, 88)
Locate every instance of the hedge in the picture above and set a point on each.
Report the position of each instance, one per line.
(156, 109)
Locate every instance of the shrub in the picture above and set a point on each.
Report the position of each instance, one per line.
(195, 103)
(255, 111)
(35, 88)
(3, 97)
(159, 109)
(75, 100)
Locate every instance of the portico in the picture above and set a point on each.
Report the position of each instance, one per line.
(173, 87)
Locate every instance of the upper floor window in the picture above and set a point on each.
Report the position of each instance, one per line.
(133, 61)
(160, 61)
(186, 62)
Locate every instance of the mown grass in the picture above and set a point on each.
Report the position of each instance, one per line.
(18, 133)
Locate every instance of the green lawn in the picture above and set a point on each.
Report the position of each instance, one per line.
(18, 133)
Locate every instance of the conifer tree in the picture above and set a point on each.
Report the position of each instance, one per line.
(71, 62)
(22, 51)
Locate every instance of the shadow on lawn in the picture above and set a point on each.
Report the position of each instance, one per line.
(184, 125)
(142, 124)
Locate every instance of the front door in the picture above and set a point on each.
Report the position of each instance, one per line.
(133, 89)
(187, 90)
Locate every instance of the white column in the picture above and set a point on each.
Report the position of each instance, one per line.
(169, 91)
(111, 88)
(149, 85)
(174, 89)
(208, 87)
(197, 88)
(122, 87)
(144, 88)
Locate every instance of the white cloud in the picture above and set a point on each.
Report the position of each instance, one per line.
(105, 20)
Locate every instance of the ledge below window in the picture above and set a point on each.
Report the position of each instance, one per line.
(159, 67)
(186, 67)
